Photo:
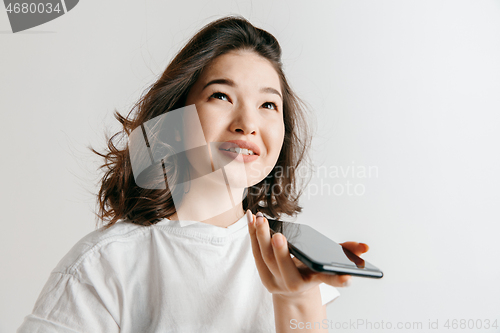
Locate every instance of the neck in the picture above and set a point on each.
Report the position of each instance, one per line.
(210, 200)
(227, 218)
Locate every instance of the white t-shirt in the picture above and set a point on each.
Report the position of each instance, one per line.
(174, 276)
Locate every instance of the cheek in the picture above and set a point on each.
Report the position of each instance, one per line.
(276, 139)
(209, 122)
(280, 136)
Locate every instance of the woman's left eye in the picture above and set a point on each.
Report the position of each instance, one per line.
(270, 105)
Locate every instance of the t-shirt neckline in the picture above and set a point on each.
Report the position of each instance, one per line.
(205, 228)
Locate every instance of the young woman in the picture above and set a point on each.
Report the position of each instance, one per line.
(186, 257)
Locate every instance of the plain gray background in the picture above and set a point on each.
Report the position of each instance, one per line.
(409, 88)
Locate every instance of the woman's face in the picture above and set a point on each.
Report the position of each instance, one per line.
(239, 97)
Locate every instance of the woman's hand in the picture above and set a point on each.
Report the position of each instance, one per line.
(280, 273)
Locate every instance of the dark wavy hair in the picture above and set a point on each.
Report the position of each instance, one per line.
(120, 198)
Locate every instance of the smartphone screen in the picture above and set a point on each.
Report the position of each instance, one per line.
(320, 253)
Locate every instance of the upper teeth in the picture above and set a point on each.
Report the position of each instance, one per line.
(243, 151)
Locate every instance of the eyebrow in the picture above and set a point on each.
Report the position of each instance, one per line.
(231, 83)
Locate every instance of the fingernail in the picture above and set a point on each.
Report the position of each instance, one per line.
(347, 283)
(259, 218)
(277, 240)
(249, 216)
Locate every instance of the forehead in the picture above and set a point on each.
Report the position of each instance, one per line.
(246, 68)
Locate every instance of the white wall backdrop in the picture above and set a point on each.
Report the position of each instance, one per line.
(408, 90)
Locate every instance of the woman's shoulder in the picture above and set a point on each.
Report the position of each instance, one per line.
(121, 233)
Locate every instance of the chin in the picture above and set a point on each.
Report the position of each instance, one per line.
(238, 180)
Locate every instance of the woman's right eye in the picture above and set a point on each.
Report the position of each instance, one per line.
(221, 96)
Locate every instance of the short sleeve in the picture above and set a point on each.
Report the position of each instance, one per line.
(328, 293)
(66, 305)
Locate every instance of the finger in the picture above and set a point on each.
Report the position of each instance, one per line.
(264, 239)
(336, 280)
(264, 271)
(291, 276)
(355, 247)
(354, 258)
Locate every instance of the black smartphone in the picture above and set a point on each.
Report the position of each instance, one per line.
(320, 253)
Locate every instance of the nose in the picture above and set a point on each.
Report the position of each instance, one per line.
(244, 120)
